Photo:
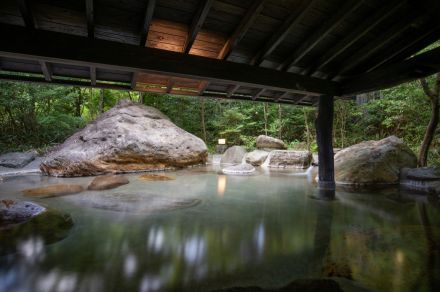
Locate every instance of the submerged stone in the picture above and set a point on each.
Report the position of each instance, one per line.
(155, 177)
(129, 137)
(45, 227)
(15, 212)
(373, 162)
(53, 191)
(241, 169)
(107, 182)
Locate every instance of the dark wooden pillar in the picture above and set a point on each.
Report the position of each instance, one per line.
(324, 131)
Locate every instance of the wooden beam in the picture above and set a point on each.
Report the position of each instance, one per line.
(361, 30)
(232, 89)
(197, 23)
(322, 32)
(247, 21)
(282, 32)
(134, 79)
(17, 42)
(170, 85)
(90, 13)
(258, 93)
(282, 95)
(93, 75)
(302, 98)
(403, 50)
(64, 82)
(149, 11)
(373, 47)
(324, 137)
(26, 13)
(420, 66)
(47, 70)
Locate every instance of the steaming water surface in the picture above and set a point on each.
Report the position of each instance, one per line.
(265, 230)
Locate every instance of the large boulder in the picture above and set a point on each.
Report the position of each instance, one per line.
(17, 159)
(129, 137)
(373, 162)
(267, 142)
(289, 159)
(233, 155)
(256, 157)
(14, 212)
(423, 179)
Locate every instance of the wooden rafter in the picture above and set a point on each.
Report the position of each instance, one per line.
(401, 51)
(93, 75)
(321, 33)
(242, 28)
(26, 13)
(47, 70)
(134, 79)
(420, 66)
(197, 23)
(282, 32)
(151, 4)
(362, 30)
(258, 93)
(232, 89)
(90, 14)
(281, 96)
(373, 47)
(17, 42)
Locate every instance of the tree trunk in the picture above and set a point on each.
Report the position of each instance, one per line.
(78, 103)
(280, 118)
(141, 97)
(101, 102)
(306, 123)
(265, 117)
(434, 96)
(202, 117)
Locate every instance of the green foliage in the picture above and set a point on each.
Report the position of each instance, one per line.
(37, 116)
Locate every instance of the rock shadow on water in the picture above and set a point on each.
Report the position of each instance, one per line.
(24, 222)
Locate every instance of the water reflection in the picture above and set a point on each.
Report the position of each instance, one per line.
(267, 232)
(221, 185)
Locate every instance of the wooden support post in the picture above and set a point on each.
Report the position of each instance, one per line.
(324, 129)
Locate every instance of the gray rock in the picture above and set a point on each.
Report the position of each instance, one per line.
(129, 137)
(256, 157)
(423, 179)
(373, 162)
(233, 155)
(242, 169)
(17, 159)
(289, 159)
(267, 142)
(13, 212)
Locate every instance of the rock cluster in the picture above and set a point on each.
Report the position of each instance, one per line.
(289, 159)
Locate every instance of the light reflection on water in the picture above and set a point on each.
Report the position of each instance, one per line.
(270, 229)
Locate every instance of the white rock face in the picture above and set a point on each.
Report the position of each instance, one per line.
(233, 155)
(267, 142)
(241, 169)
(289, 159)
(256, 157)
(373, 162)
(129, 137)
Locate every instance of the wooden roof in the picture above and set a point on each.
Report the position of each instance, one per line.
(287, 51)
